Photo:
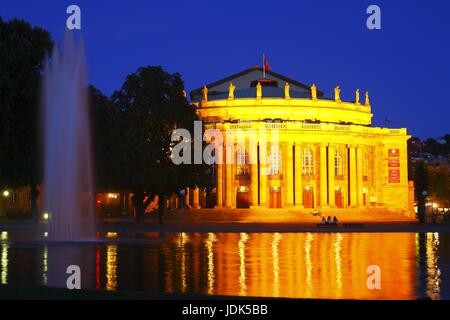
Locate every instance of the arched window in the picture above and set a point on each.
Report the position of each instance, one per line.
(275, 162)
(242, 161)
(365, 165)
(338, 163)
(307, 162)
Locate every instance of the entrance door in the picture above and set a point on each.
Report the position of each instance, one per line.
(242, 200)
(364, 199)
(211, 199)
(338, 197)
(308, 200)
(275, 197)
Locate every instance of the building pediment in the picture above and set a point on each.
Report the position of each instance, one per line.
(245, 80)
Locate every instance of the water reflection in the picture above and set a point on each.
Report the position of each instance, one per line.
(111, 267)
(276, 267)
(209, 247)
(302, 265)
(4, 264)
(45, 265)
(434, 271)
(242, 279)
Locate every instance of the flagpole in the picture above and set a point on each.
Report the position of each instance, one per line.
(264, 68)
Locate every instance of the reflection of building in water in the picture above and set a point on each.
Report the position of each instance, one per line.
(45, 265)
(434, 274)
(242, 278)
(4, 264)
(427, 246)
(209, 243)
(111, 267)
(294, 265)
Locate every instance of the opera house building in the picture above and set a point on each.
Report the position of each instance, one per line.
(328, 156)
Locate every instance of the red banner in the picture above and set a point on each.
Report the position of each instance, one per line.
(393, 152)
(393, 163)
(394, 175)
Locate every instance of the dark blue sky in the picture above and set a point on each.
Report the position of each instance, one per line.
(405, 65)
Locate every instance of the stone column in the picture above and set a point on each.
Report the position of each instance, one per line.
(196, 198)
(331, 191)
(377, 172)
(263, 175)
(298, 176)
(359, 176)
(253, 159)
(289, 176)
(352, 172)
(228, 185)
(187, 200)
(323, 175)
(219, 174)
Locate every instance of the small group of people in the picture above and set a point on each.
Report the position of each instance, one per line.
(329, 221)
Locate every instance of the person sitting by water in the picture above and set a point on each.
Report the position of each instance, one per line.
(335, 220)
(324, 221)
(329, 220)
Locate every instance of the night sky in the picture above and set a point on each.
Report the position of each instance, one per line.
(405, 65)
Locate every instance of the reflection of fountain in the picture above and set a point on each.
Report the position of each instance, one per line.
(68, 183)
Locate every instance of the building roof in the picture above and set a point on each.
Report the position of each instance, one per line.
(198, 92)
(267, 92)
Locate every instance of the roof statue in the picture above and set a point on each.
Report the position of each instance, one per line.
(357, 96)
(337, 94)
(258, 91)
(367, 99)
(314, 92)
(286, 91)
(231, 89)
(205, 93)
(184, 93)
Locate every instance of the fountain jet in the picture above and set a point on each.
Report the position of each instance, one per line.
(69, 197)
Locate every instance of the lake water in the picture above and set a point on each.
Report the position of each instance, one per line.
(295, 265)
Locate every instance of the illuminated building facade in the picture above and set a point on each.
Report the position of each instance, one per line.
(328, 155)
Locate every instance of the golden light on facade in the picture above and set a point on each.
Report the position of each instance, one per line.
(113, 195)
(6, 193)
(368, 163)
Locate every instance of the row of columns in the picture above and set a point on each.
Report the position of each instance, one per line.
(292, 166)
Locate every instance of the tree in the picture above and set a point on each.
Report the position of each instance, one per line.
(439, 182)
(148, 107)
(105, 134)
(421, 185)
(22, 51)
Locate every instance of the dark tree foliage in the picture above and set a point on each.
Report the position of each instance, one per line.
(421, 185)
(132, 138)
(22, 51)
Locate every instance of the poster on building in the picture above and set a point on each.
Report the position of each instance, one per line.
(393, 152)
(394, 165)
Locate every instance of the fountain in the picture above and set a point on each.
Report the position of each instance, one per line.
(69, 197)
